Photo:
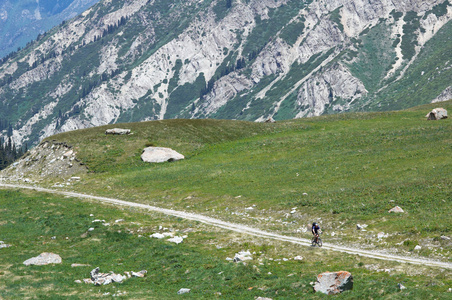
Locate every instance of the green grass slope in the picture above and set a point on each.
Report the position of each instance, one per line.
(342, 169)
(33, 223)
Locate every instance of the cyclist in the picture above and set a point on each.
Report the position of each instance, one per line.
(315, 230)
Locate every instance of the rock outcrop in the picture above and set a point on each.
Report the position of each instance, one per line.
(331, 283)
(49, 159)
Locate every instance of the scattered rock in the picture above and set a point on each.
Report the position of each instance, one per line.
(183, 291)
(44, 259)
(78, 281)
(381, 235)
(331, 283)
(445, 238)
(3, 245)
(117, 131)
(157, 235)
(48, 159)
(401, 286)
(243, 256)
(263, 298)
(68, 154)
(417, 248)
(176, 239)
(437, 114)
(396, 209)
(299, 258)
(361, 226)
(98, 278)
(80, 265)
(140, 274)
(160, 154)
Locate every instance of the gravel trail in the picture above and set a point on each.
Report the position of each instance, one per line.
(242, 228)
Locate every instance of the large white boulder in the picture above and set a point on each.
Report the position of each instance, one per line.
(160, 154)
(437, 114)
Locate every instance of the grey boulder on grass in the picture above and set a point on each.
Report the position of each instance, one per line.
(44, 259)
(160, 154)
(331, 283)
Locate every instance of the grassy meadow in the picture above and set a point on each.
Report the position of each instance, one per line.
(339, 170)
(37, 222)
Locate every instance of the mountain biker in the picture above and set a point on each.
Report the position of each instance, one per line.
(315, 230)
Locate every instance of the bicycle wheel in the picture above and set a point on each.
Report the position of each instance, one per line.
(319, 242)
(313, 242)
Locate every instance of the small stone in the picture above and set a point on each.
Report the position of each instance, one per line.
(361, 226)
(401, 286)
(3, 245)
(183, 291)
(381, 235)
(243, 256)
(299, 258)
(396, 209)
(417, 248)
(140, 274)
(80, 265)
(78, 281)
(91, 229)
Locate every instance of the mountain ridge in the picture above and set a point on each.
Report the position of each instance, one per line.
(22, 21)
(144, 60)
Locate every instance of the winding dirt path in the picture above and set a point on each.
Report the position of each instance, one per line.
(241, 228)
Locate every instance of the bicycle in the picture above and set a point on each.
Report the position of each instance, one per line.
(316, 240)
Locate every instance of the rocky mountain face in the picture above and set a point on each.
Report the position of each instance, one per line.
(134, 60)
(22, 20)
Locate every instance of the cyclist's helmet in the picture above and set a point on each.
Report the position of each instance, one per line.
(314, 224)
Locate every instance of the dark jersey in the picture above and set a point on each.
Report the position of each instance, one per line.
(316, 229)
